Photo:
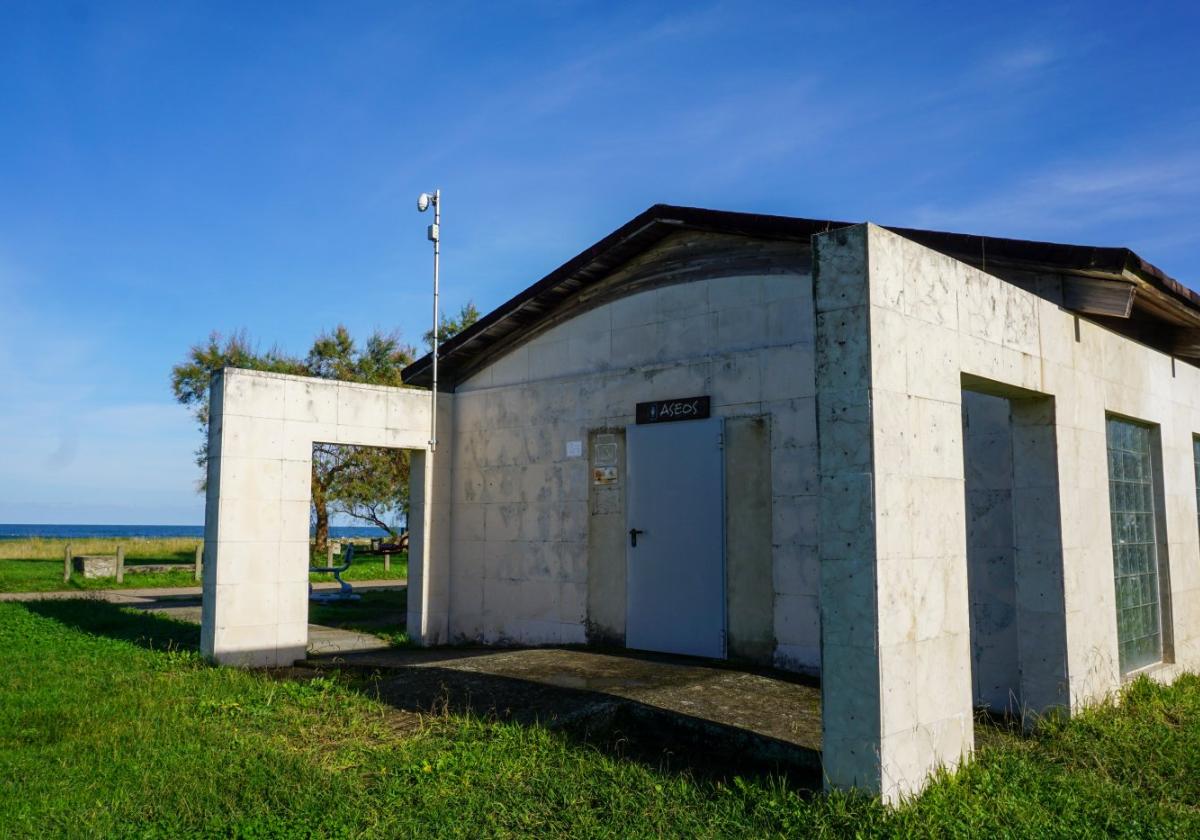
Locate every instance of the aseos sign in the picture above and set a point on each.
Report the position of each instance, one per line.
(668, 411)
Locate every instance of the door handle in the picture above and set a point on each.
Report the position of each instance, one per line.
(633, 534)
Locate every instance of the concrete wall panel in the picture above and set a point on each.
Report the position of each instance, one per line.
(745, 340)
(750, 580)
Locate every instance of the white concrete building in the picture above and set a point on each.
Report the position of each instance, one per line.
(941, 471)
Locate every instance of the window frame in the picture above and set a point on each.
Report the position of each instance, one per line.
(1135, 524)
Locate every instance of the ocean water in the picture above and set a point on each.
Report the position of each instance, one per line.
(76, 532)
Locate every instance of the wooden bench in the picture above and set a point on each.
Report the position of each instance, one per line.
(381, 547)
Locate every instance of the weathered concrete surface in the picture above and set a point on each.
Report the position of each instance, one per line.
(901, 331)
(748, 571)
(262, 429)
(1018, 626)
(768, 704)
(524, 508)
(95, 565)
(606, 537)
(105, 565)
(991, 573)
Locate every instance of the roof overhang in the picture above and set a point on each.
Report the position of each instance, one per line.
(1108, 282)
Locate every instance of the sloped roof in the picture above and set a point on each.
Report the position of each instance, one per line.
(1158, 297)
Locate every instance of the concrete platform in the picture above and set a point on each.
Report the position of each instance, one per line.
(678, 706)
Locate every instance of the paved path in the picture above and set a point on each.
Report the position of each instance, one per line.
(136, 596)
(183, 604)
(321, 639)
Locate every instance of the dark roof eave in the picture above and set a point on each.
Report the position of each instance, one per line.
(659, 220)
(663, 217)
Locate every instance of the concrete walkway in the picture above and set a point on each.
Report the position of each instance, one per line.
(183, 604)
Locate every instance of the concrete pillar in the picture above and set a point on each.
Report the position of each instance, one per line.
(255, 602)
(896, 685)
(429, 545)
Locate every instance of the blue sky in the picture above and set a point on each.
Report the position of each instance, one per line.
(167, 169)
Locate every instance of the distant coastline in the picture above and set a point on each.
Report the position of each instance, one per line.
(27, 531)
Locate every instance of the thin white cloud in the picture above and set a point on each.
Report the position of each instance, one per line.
(1079, 195)
(1021, 60)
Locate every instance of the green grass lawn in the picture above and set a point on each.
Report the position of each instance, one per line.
(383, 614)
(111, 726)
(369, 567)
(36, 565)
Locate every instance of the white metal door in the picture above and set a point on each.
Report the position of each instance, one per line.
(675, 540)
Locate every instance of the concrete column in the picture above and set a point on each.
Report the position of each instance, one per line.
(419, 619)
(896, 686)
(429, 539)
(255, 605)
(1087, 554)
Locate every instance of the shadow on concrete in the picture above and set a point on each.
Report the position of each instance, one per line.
(100, 618)
(584, 705)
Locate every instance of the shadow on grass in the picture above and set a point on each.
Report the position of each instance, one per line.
(375, 610)
(668, 741)
(100, 618)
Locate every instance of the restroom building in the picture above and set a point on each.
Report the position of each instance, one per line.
(939, 471)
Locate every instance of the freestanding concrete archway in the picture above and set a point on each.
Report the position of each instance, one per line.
(262, 428)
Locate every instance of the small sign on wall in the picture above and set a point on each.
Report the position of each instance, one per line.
(669, 411)
(574, 449)
(605, 453)
(604, 475)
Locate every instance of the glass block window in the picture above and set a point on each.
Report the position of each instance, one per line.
(1135, 544)
(1196, 461)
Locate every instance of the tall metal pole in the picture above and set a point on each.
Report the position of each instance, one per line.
(435, 234)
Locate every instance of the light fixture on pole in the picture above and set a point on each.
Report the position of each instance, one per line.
(424, 200)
